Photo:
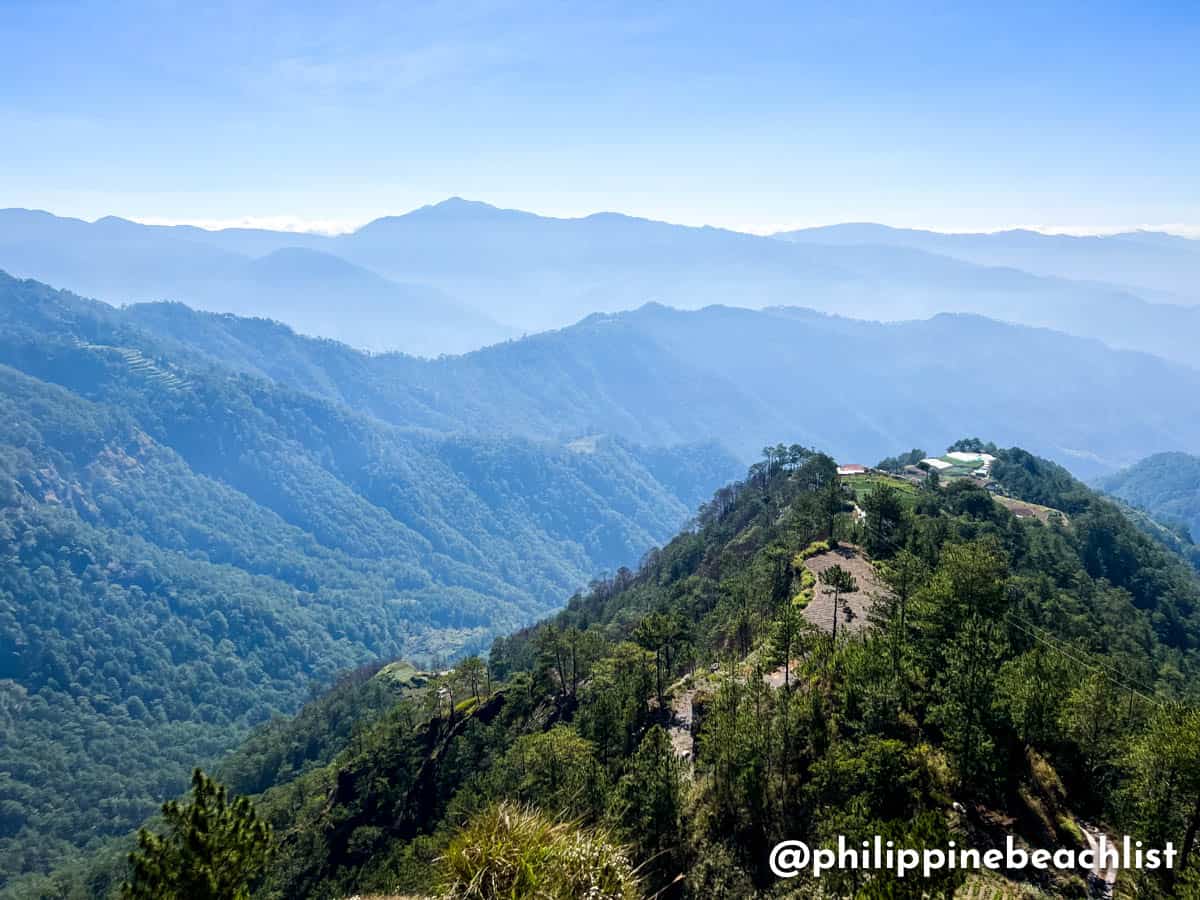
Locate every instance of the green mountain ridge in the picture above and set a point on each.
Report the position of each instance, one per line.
(260, 510)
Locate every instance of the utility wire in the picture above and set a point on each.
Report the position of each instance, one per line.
(1117, 676)
(1090, 665)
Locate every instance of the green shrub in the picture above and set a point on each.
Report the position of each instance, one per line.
(811, 550)
(1068, 829)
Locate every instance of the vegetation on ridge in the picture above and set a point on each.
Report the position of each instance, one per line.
(1016, 677)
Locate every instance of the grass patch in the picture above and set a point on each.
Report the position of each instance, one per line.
(465, 706)
(401, 672)
(1067, 828)
(862, 485)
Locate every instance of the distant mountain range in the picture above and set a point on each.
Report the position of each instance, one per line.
(458, 275)
(658, 376)
(275, 275)
(1155, 265)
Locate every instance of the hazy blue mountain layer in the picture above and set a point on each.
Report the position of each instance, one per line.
(459, 274)
(1156, 265)
(283, 276)
(742, 377)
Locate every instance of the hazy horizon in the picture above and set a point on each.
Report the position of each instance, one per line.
(301, 225)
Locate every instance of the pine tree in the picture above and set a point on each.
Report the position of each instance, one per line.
(786, 636)
(963, 701)
(884, 520)
(213, 849)
(655, 632)
(472, 671)
(840, 582)
(904, 575)
(1092, 717)
(648, 801)
(1165, 763)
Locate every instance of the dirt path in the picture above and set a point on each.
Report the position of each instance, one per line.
(820, 610)
(852, 615)
(776, 678)
(682, 719)
(1102, 878)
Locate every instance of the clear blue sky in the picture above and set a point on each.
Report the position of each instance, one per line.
(758, 116)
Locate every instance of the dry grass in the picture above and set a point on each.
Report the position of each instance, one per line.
(512, 851)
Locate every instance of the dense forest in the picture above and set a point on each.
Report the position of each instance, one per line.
(1166, 485)
(903, 656)
(187, 551)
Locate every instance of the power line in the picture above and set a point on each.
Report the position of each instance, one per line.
(1089, 664)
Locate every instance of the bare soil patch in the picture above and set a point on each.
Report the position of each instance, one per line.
(1023, 510)
(853, 607)
(682, 719)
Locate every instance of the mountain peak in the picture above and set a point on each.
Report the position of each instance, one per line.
(115, 223)
(449, 210)
(458, 207)
(457, 202)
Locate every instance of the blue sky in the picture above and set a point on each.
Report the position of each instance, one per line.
(756, 116)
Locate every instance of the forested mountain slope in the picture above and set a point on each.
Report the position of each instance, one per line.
(743, 377)
(1013, 677)
(184, 549)
(1166, 485)
(335, 507)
